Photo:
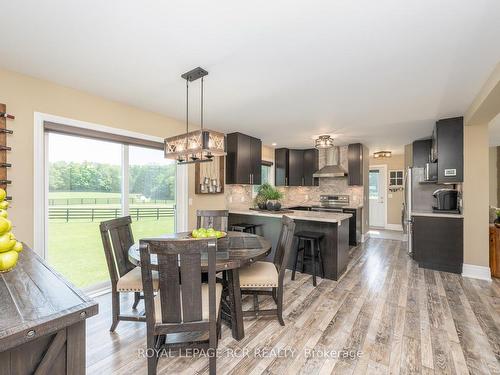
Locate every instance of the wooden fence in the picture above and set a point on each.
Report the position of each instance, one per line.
(82, 201)
(91, 214)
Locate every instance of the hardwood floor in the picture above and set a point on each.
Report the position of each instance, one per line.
(400, 318)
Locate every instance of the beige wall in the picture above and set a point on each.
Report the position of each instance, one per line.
(493, 177)
(482, 111)
(25, 95)
(394, 199)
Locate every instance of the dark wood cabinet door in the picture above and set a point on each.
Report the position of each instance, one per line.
(310, 166)
(296, 168)
(421, 152)
(256, 160)
(355, 164)
(281, 167)
(450, 149)
(238, 159)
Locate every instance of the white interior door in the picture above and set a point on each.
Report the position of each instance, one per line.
(377, 186)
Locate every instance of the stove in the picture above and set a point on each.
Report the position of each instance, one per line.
(332, 203)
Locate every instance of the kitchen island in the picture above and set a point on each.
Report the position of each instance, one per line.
(335, 226)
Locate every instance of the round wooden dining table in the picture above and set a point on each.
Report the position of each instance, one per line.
(234, 251)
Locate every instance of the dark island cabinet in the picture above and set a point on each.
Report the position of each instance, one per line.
(421, 152)
(448, 149)
(243, 160)
(438, 243)
(295, 167)
(355, 164)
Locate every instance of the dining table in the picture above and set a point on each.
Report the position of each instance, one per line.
(235, 250)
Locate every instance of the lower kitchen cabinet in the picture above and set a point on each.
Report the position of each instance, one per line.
(438, 243)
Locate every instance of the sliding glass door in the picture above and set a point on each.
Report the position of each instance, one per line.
(92, 180)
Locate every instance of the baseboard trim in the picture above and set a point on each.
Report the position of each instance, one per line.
(364, 237)
(397, 227)
(476, 272)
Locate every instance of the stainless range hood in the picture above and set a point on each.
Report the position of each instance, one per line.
(331, 164)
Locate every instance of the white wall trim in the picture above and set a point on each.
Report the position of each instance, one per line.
(397, 227)
(181, 198)
(476, 272)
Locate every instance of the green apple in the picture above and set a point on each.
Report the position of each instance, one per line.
(4, 205)
(4, 214)
(195, 233)
(5, 225)
(219, 234)
(3, 194)
(212, 234)
(18, 247)
(8, 260)
(7, 242)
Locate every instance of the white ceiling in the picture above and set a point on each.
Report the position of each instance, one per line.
(380, 72)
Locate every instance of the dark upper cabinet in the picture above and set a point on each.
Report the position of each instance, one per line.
(421, 152)
(310, 166)
(295, 167)
(449, 146)
(281, 167)
(355, 164)
(243, 160)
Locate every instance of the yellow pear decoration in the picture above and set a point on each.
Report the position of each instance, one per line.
(9, 247)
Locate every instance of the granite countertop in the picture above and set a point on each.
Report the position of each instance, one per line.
(326, 217)
(350, 206)
(431, 213)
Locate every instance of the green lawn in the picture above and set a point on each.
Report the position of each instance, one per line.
(75, 248)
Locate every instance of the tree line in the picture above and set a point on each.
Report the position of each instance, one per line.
(152, 181)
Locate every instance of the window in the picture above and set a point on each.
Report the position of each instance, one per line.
(267, 177)
(87, 180)
(395, 178)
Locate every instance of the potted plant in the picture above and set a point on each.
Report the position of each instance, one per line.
(497, 220)
(268, 197)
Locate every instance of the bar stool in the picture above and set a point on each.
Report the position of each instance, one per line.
(245, 227)
(313, 238)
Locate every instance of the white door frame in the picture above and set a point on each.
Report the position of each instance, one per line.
(383, 169)
(41, 181)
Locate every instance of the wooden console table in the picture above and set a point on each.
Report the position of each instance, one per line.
(42, 320)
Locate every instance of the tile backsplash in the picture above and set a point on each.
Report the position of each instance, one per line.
(240, 196)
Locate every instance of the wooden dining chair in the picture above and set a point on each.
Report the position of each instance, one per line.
(217, 219)
(183, 304)
(266, 278)
(116, 235)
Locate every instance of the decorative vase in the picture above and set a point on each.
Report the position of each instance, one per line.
(273, 205)
(262, 205)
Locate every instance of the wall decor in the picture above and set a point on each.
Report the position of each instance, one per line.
(209, 177)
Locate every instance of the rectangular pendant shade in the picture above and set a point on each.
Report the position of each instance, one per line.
(196, 144)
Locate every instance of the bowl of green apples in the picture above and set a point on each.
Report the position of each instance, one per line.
(207, 233)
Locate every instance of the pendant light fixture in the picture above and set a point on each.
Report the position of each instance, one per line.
(324, 141)
(382, 154)
(199, 145)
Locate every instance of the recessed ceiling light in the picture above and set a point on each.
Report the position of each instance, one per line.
(274, 144)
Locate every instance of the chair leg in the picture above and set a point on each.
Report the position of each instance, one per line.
(313, 250)
(302, 257)
(320, 257)
(137, 298)
(115, 310)
(212, 365)
(296, 260)
(279, 305)
(153, 359)
(256, 303)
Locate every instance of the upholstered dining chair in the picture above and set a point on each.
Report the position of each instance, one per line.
(116, 235)
(217, 219)
(266, 278)
(183, 304)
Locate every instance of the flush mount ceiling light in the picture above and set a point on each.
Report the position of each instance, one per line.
(382, 154)
(323, 141)
(199, 145)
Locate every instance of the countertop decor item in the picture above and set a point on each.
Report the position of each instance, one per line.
(200, 145)
(268, 197)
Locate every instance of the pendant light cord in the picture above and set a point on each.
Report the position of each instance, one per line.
(187, 113)
(201, 111)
